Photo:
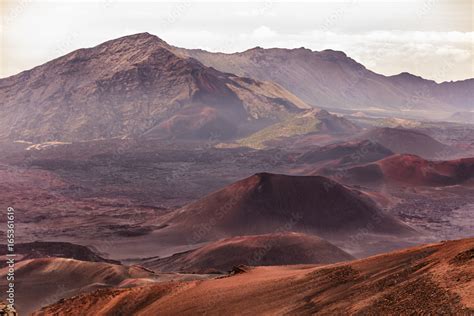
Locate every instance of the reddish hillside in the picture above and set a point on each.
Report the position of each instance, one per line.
(415, 170)
(426, 280)
(407, 141)
(39, 282)
(40, 249)
(255, 250)
(264, 203)
(410, 170)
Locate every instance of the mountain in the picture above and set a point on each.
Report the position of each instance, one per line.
(140, 85)
(332, 79)
(409, 170)
(428, 279)
(136, 85)
(462, 117)
(458, 94)
(408, 141)
(256, 250)
(266, 202)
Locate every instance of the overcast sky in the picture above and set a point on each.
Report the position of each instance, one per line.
(430, 38)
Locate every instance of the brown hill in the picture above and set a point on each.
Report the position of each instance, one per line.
(135, 85)
(429, 279)
(255, 250)
(39, 282)
(264, 203)
(40, 249)
(407, 141)
(331, 79)
(410, 170)
(347, 153)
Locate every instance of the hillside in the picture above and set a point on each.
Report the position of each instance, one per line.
(40, 249)
(408, 141)
(409, 170)
(135, 85)
(257, 250)
(332, 79)
(429, 279)
(313, 121)
(39, 282)
(267, 202)
(354, 152)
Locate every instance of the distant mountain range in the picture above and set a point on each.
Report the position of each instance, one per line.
(331, 79)
(140, 85)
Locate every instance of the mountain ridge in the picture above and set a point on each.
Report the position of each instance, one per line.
(131, 85)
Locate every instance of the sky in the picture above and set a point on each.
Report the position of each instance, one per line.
(430, 38)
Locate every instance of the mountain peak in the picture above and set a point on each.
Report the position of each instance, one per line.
(335, 54)
(135, 40)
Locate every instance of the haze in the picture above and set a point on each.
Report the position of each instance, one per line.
(433, 33)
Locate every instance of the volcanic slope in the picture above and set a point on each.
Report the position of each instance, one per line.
(408, 170)
(135, 85)
(294, 128)
(43, 281)
(265, 203)
(256, 250)
(347, 153)
(330, 78)
(429, 279)
(407, 141)
(42, 249)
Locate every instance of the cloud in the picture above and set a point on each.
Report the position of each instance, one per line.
(263, 32)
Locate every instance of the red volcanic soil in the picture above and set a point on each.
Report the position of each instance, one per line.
(256, 250)
(407, 141)
(39, 282)
(39, 249)
(265, 203)
(412, 170)
(432, 279)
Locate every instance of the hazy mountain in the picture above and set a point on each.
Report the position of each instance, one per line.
(139, 84)
(407, 170)
(462, 117)
(332, 79)
(408, 141)
(134, 85)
